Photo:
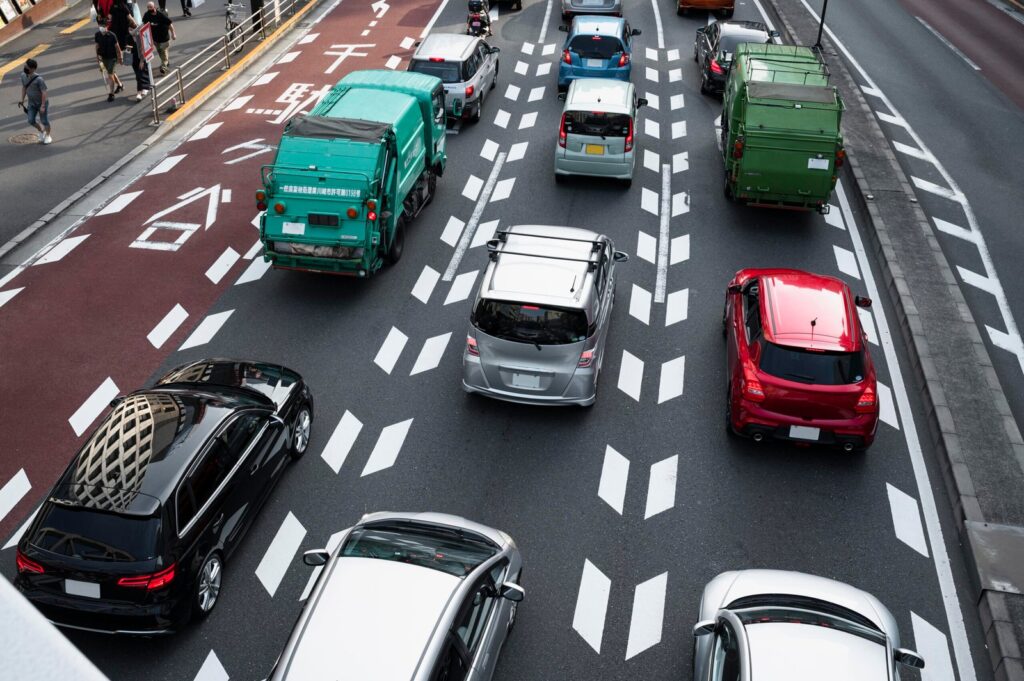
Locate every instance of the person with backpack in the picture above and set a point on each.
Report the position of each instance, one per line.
(33, 89)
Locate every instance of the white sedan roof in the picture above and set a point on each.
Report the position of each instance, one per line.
(783, 651)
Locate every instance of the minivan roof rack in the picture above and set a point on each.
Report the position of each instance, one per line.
(493, 252)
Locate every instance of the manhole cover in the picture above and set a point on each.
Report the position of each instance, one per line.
(24, 138)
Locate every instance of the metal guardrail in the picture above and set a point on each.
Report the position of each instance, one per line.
(181, 83)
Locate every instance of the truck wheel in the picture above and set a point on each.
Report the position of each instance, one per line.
(394, 253)
(431, 185)
(728, 189)
(681, 11)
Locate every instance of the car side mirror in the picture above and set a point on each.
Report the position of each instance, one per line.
(908, 658)
(316, 557)
(417, 43)
(641, 101)
(561, 95)
(116, 401)
(619, 256)
(635, 31)
(512, 592)
(703, 628)
(563, 28)
(773, 34)
(862, 301)
(495, 50)
(734, 288)
(276, 420)
(700, 31)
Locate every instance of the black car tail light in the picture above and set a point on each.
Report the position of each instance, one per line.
(150, 582)
(26, 564)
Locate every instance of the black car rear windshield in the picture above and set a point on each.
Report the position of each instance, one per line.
(448, 72)
(595, 46)
(728, 43)
(530, 323)
(809, 366)
(95, 535)
(437, 549)
(596, 123)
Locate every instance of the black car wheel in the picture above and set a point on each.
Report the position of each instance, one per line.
(301, 427)
(208, 583)
(728, 413)
(704, 89)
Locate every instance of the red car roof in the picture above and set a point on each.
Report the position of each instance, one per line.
(792, 299)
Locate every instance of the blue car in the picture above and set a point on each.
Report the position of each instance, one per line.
(597, 47)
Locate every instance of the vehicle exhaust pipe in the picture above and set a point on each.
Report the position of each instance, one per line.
(847, 446)
(758, 437)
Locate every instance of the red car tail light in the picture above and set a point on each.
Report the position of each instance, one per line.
(26, 564)
(567, 56)
(561, 133)
(150, 582)
(867, 401)
(624, 59)
(753, 390)
(716, 68)
(840, 157)
(471, 346)
(629, 136)
(586, 359)
(470, 90)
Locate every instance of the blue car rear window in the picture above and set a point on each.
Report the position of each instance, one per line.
(596, 46)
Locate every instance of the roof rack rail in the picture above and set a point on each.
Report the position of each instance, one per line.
(594, 244)
(493, 252)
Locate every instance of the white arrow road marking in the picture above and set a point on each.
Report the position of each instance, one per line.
(661, 486)
(344, 436)
(206, 330)
(543, 69)
(212, 194)
(512, 92)
(389, 444)
(332, 544)
(906, 519)
(521, 67)
(652, 100)
(93, 406)
(640, 304)
(254, 272)
(380, 8)
(614, 474)
(646, 247)
(680, 249)
(886, 406)
(834, 217)
(535, 94)
(652, 161)
(652, 128)
(431, 353)
(221, 266)
(592, 605)
(516, 151)
(461, 287)
(677, 102)
(676, 306)
(484, 233)
(503, 189)
(452, 231)
(631, 374)
(167, 326)
(425, 284)
(502, 118)
(649, 201)
(473, 186)
(846, 262)
(489, 150)
(867, 322)
(670, 386)
(390, 350)
(280, 553)
(680, 162)
(5, 296)
(237, 103)
(122, 201)
(955, 230)
(14, 490)
(16, 537)
(212, 669)
(931, 644)
(528, 120)
(648, 615)
(202, 133)
(61, 249)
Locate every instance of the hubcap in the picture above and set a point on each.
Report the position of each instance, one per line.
(209, 584)
(302, 425)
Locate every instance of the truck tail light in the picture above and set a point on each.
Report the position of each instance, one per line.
(278, 207)
(26, 564)
(624, 59)
(561, 133)
(260, 205)
(629, 136)
(737, 148)
(716, 68)
(867, 401)
(470, 90)
(586, 359)
(261, 196)
(471, 346)
(150, 582)
(371, 216)
(567, 56)
(840, 157)
(352, 213)
(371, 204)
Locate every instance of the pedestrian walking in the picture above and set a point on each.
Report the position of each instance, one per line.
(163, 33)
(185, 4)
(108, 54)
(121, 22)
(103, 8)
(257, 9)
(33, 89)
(141, 69)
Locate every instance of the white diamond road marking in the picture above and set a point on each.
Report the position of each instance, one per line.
(16, 537)
(640, 304)
(652, 100)
(652, 128)
(678, 129)
(886, 406)
(225, 196)
(201, 134)
(680, 249)
(676, 306)
(834, 217)
(473, 186)
(680, 162)
(512, 92)
(502, 118)
(661, 486)
(521, 67)
(651, 53)
(255, 270)
(680, 204)
(646, 247)
(955, 230)
(527, 48)
(867, 322)
(672, 55)
(931, 644)
(651, 74)
(221, 266)
(649, 201)
(503, 189)
(651, 160)
(484, 233)
(5, 296)
(206, 330)
(431, 353)
(122, 201)
(344, 436)
(308, 38)
(265, 78)
(212, 669)
(671, 384)
(489, 150)
(461, 287)
(614, 474)
(17, 487)
(61, 249)
(543, 69)
(516, 151)
(677, 102)
(592, 605)
(167, 164)
(846, 262)
(549, 49)
(535, 94)
(631, 375)
(906, 519)
(648, 615)
(675, 75)
(280, 553)
(390, 350)
(167, 326)
(425, 284)
(290, 57)
(389, 444)
(407, 43)
(452, 231)
(528, 120)
(237, 103)
(393, 62)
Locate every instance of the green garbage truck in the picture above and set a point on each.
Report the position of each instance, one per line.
(350, 176)
(781, 136)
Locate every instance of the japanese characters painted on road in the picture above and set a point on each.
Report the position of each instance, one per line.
(343, 52)
(146, 38)
(298, 98)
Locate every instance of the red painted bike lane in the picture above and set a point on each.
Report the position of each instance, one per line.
(102, 309)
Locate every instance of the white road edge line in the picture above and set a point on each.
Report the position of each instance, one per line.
(474, 219)
(948, 44)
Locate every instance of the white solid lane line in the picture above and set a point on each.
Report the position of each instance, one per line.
(664, 220)
(461, 287)
(433, 19)
(640, 304)
(945, 41)
(13, 491)
(474, 219)
(614, 475)
(452, 231)
(390, 350)
(657, 24)
(676, 306)
(846, 262)
(646, 246)
(670, 386)
(648, 615)
(389, 444)
(592, 605)
(212, 669)
(431, 353)
(931, 644)
(254, 272)
(61, 249)
(166, 165)
(906, 520)
(425, 284)
(122, 201)
(202, 133)
(167, 326)
(886, 407)
(484, 233)
(544, 25)
(680, 249)
(631, 375)
(206, 330)
(224, 263)
(344, 436)
(5, 296)
(93, 406)
(661, 486)
(280, 553)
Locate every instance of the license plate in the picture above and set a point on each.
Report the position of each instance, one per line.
(526, 381)
(594, 63)
(804, 433)
(73, 587)
(476, 24)
(595, 149)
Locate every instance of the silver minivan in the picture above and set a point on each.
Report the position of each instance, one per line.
(466, 65)
(539, 324)
(410, 596)
(598, 130)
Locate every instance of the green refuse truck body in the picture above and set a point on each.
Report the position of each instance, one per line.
(781, 136)
(351, 175)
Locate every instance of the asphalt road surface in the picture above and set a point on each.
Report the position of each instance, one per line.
(100, 316)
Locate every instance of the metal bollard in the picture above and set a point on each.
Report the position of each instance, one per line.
(181, 86)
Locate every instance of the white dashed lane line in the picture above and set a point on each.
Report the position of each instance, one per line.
(203, 133)
(501, 118)
(502, 189)
(122, 201)
(517, 151)
(543, 69)
(614, 475)
(167, 326)
(212, 670)
(431, 353)
(846, 262)
(640, 304)
(536, 94)
(290, 57)
(206, 330)
(93, 406)
(680, 249)
(631, 374)
(676, 306)
(931, 644)
(680, 162)
(254, 272)
(461, 287)
(390, 350)
(646, 247)
(452, 231)
(484, 233)
(906, 519)
(61, 249)
(13, 491)
(265, 79)
(166, 165)
(886, 406)
(280, 553)
(344, 436)
(670, 385)
(648, 615)
(676, 102)
(221, 266)
(425, 283)
(661, 486)
(237, 103)
(512, 92)
(867, 322)
(592, 605)
(489, 150)
(388, 446)
(528, 120)
(521, 67)
(473, 186)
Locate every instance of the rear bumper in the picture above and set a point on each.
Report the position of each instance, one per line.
(706, 4)
(569, 72)
(751, 420)
(104, 617)
(354, 268)
(581, 391)
(622, 170)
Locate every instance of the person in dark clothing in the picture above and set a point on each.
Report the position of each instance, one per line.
(141, 69)
(163, 33)
(256, 6)
(102, 8)
(108, 54)
(185, 4)
(121, 22)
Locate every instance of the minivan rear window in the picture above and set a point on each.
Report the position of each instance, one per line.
(530, 323)
(595, 46)
(596, 123)
(95, 535)
(447, 71)
(809, 366)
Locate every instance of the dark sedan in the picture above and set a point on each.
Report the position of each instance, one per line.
(133, 537)
(714, 47)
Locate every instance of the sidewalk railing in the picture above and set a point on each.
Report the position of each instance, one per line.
(184, 81)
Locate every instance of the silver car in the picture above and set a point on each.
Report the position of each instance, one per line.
(539, 325)
(574, 7)
(412, 596)
(775, 624)
(466, 65)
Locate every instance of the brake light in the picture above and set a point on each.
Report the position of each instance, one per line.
(371, 216)
(629, 136)
(26, 564)
(840, 157)
(261, 196)
(737, 148)
(752, 388)
(278, 207)
(867, 402)
(352, 213)
(596, 37)
(261, 206)
(561, 133)
(624, 59)
(471, 346)
(586, 359)
(470, 90)
(528, 307)
(437, 59)
(371, 204)
(150, 582)
(567, 56)
(716, 67)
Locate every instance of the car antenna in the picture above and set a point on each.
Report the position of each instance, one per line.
(814, 322)
(572, 287)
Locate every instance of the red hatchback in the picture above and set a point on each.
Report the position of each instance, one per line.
(798, 361)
